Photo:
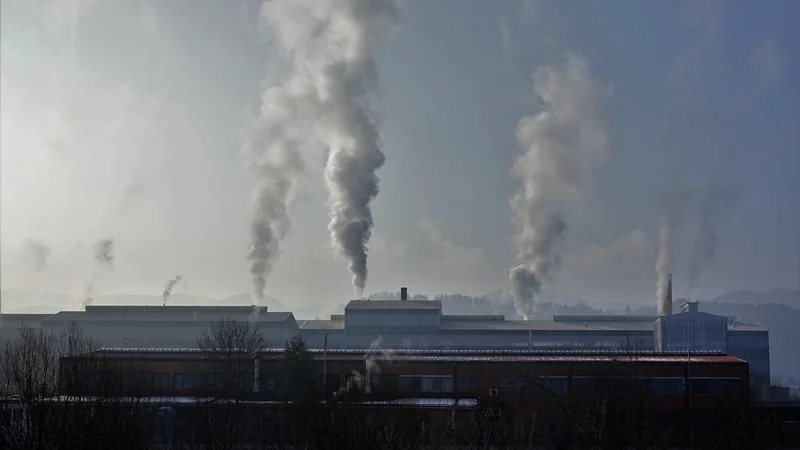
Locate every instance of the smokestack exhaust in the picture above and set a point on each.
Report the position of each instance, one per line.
(404, 294)
(666, 304)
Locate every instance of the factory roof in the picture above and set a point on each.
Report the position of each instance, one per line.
(476, 356)
(168, 314)
(393, 304)
(739, 325)
(603, 318)
(321, 325)
(520, 325)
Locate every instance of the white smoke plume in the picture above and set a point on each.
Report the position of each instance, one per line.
(35, 255)
(330, 45)
(86, 299)
(168, 288)
(715, 209)
(560, 145)
(673, 209)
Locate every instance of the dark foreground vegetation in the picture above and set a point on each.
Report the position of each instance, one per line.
(95, 404)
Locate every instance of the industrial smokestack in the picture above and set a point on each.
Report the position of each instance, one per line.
(666, 303)
(403, 293)
(560, 145)
(673, 206)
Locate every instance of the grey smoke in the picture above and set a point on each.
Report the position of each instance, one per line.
(168, 288)
(673, 208)
(329, 44)
(716, 206)
(104, 252)
(559, 145)
(35, 255)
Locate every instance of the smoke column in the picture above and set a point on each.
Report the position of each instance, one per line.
(559, 145)
(330, 45)
(103, 258)
(168, 288)
(716, 206)
(674, 205)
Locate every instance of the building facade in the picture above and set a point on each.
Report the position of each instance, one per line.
(421, 325)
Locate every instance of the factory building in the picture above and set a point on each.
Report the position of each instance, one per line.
(510, 381)
(409, 324)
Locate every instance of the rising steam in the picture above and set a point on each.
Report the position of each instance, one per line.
(560, 145)
(715, 209)
(168, 288)
(673, 209)
(329, 44)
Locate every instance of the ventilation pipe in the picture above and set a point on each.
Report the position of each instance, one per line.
(404, 294)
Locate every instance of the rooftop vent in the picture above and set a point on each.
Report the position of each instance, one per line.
(404, 294)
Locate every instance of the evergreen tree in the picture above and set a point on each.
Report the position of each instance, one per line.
(301, 376)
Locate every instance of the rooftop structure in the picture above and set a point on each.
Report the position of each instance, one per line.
(418, 324)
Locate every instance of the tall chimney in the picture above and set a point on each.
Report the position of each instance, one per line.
(666, 308)
(403, 293)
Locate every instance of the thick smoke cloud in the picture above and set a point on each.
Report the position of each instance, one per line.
(104, 252)
(168, 288)
(35, 255)
(716, 206)
(329, 44)
(674, 205)
(560, 145)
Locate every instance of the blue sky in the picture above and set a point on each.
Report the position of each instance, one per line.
(127, 120)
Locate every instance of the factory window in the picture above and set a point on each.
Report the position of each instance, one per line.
(268, 382)
(556, 385)
(135, 381)
(666, 386)
(716, 386)
(426, 383)
(384, 383)
(583, 384)
(466, 380)
(505, 381)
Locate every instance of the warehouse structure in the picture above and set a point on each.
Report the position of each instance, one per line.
(416, 324)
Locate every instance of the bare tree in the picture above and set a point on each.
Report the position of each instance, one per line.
(62, 397)
(233, 345)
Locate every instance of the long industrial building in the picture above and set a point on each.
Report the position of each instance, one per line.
(410, 324)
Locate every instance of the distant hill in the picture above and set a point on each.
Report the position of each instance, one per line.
(789, 297)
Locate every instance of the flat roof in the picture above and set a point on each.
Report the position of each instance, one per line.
(473, 356)
(182, 315)
(394, 304)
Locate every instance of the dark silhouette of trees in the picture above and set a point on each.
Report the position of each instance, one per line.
(233, 346)
(57, 396)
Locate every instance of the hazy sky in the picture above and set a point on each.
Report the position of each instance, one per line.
(125, 119)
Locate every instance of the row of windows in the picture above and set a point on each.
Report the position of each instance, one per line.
(395, 312)
(211, 381)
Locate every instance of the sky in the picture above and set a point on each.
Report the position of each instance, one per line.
(128, 120)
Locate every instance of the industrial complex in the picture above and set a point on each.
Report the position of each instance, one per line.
(421, 324)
